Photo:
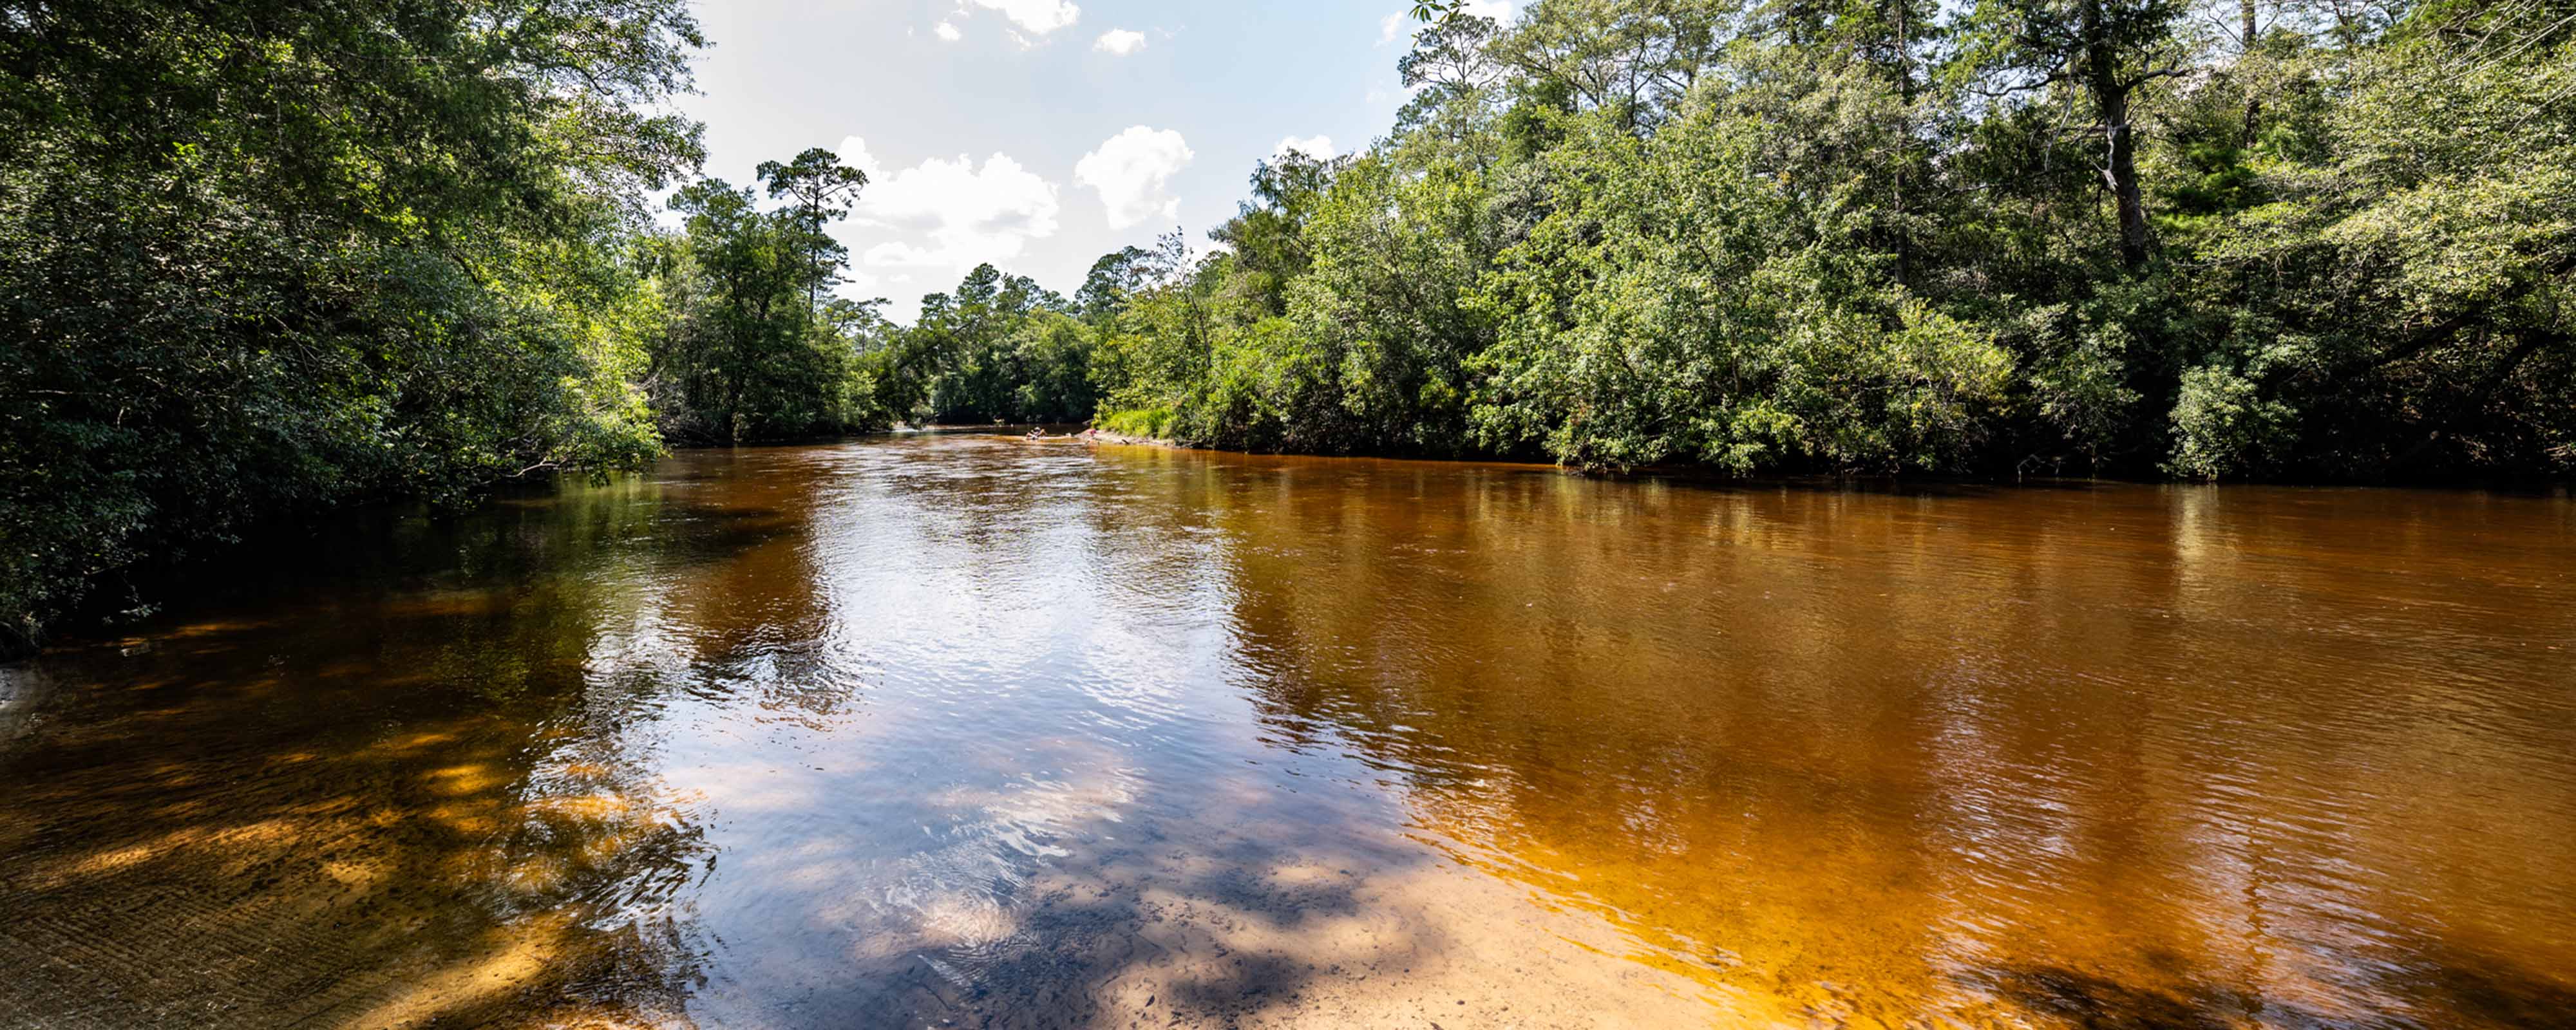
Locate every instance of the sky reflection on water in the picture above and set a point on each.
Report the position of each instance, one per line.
(960, 728)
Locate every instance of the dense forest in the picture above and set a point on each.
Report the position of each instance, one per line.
(257, 258)
(2119, 237)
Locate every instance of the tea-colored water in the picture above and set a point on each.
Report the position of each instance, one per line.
(959, 730)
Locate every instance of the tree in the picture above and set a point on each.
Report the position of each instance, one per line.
(752, 355)
(1114, 278)
(1266, 235)
(825, 190)
(256, 258)
(1633, 58)
(1679, 304)
(2104, 51)
(999, 348)
(2403, 300)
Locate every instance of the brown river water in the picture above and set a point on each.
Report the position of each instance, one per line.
(956, 730)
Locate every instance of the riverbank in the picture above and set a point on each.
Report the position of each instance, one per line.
(1130, 440)
(1087, 434)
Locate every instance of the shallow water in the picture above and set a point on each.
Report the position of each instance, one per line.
(958, 730)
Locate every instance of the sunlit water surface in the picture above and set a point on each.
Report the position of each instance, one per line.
(959, 730)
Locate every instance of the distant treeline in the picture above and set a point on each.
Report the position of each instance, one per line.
(2312, 240)
(257, 258)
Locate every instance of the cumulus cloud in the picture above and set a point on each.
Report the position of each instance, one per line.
(1311, 146)
(947, 31)
(948, 215)
(853, 152)
(1121, 42)
(1037, 17)
(1132, 172)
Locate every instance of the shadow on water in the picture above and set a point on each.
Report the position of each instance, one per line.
(443, 865)
(2097, 1003)
(510, 858)
(2497, 990)
(1879, 756)
(1141, 934)
(2474, 990)
(428, 785)
(408, 803)
(945, 731)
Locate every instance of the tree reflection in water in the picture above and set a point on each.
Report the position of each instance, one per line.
(961, 729)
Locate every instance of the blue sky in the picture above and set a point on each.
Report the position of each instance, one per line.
(1037, 134)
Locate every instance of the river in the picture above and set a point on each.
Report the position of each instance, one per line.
(959, 730)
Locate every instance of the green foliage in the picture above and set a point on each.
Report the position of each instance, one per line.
(1155, 424)
(257, 258)
(1266, 241)
(1883, 235)
(2403, 290)
(751, 353)
(1679, 305)
(998, 349)
(2224, 427)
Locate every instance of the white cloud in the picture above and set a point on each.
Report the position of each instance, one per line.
(853, 152)
(1311, 146)
(1121, 42)
(1036, 16)
(1393, 27)
(947, 216)
(1498, 10)
(947, 31)
(1132, 172)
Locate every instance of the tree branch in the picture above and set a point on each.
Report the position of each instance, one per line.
(2146, 77)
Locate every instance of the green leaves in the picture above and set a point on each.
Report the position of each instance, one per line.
(2223, 426)
(752, 349)
(1435, 11)
(262, 257)
(2400, 302)
(258, 257)
(1681, 305)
